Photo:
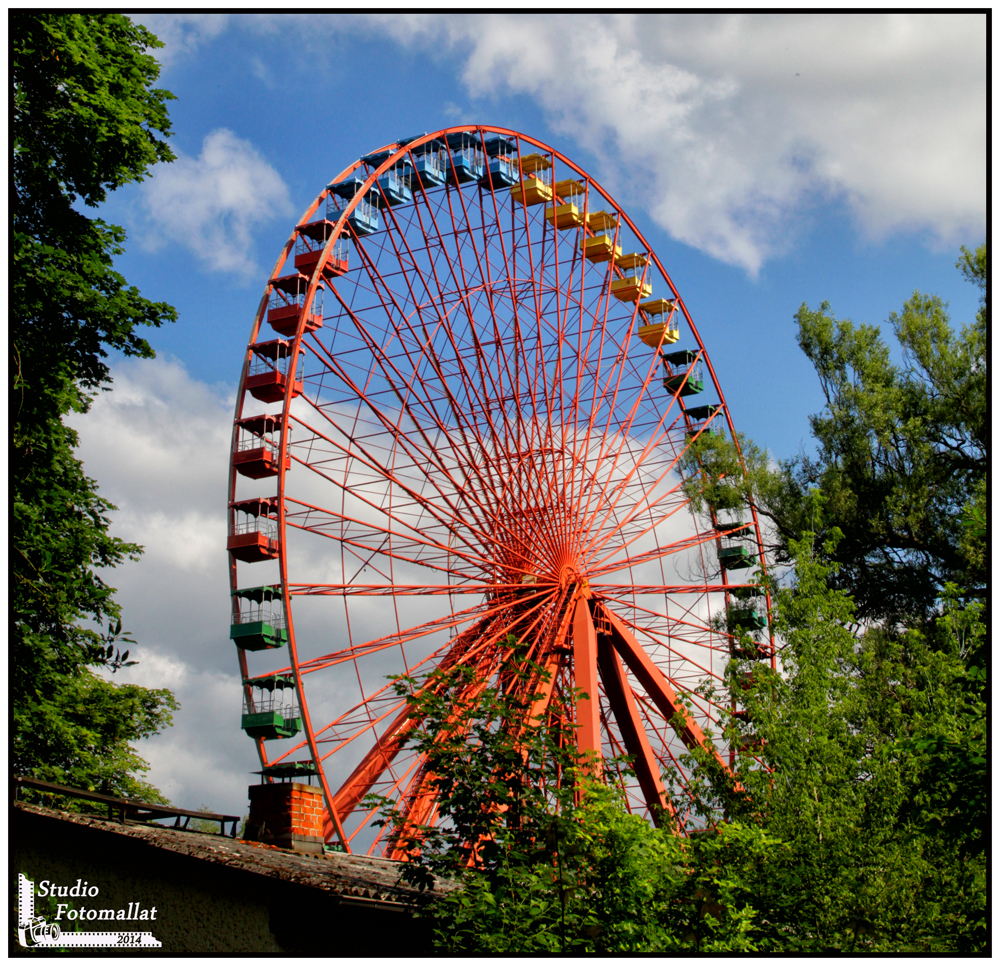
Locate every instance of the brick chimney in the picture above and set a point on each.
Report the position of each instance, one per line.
(286, 814)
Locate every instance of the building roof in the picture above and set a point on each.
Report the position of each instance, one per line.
(358, 877)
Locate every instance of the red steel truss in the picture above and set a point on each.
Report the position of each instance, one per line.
(475, 444)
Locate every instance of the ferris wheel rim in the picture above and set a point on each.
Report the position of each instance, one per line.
(315, 281)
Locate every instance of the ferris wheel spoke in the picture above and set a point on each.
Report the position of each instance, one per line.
(508, 276)
(654, 683)
(375, 762)
(340, 738)
(515, 617)
(536, 309)
(329, 523)
(466, 289)
(335, 732)
(606, 534)
(651, 479)
(675, 629)
(598, 326)
(381, 755)
(550, 656)
(404, 387)
(668, 760)
(656, 436)
(422, 459)
(608, 498)
(419, 806)
(392, 476)
(398, 590)
(464, 491)
(411, 776)
(395, 639)
(608, 565)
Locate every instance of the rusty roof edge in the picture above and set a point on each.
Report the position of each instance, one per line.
(357, 878)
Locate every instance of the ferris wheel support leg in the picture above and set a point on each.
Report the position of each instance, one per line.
(382, 754)
(421, 796)
(379, 757)
(626, 714)
(657, 686)
(588, 721)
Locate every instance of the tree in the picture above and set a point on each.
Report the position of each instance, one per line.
(84, 122)
(854, 818)
(902, 450)
(897, 492)
(854, 852)
(548, 858)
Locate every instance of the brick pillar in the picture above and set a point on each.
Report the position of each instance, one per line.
(286, 814)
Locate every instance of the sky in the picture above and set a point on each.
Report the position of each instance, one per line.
(770, 161)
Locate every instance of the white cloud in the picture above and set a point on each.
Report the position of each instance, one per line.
(726, 126)
(204, 759)
(211, 204)
(159, 446)
(260, 71)
(182, 34)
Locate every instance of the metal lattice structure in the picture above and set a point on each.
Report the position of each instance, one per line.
(462, 415)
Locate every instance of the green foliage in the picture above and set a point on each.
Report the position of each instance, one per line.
(549, 860)
(207, 826)
(81, 736)
(497, 786)
(947, 740)
(902, 449)
(868, 770)
(84, 121)
(83, 124)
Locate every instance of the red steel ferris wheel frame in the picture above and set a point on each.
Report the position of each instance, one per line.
(593, 656)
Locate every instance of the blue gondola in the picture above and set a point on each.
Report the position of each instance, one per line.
(364, 218)
(350, 186)
(429, 162)
(497, 145)
(500, 172)
(395, 184)
(374, 197)
(501, 162)
(374, 160)
(460, 140)
(466, 161)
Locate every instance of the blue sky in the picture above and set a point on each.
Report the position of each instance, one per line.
(769, 161)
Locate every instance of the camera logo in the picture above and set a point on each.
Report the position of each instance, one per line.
(34, 931)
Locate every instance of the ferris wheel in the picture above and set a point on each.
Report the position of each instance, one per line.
(463, 414)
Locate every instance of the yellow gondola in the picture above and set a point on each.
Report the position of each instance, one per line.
(631, 288)
(601, 247)
(570, 213)
(662, 327)
(535, 169)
